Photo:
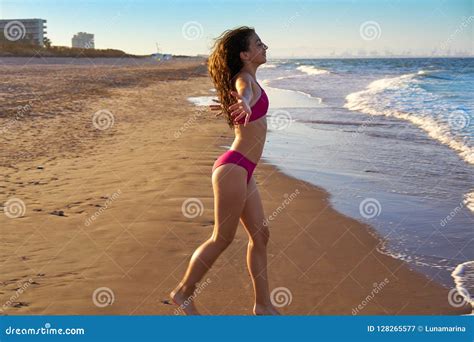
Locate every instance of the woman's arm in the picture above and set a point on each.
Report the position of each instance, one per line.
(243, 84)
(244, 95)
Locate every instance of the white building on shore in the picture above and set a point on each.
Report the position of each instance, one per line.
(162, 56)
(83, 40)
(29, 30)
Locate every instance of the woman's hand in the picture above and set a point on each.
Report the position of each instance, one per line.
(240, 109)
(216, 107)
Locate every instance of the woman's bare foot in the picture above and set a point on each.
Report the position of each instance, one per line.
(267, 310)
(184, 300)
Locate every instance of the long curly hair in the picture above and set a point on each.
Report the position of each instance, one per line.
(224, 64)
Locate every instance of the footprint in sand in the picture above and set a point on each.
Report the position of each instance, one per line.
(208, 223)
(58, 213)
(74, 204)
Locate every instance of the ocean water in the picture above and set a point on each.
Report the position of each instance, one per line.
(392, 141)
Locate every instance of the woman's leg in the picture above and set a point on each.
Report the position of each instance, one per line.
(253, 220)
(229, 183)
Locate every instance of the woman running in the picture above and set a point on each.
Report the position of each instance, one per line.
(233, 65)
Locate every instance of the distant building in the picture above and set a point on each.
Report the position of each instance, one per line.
(26, 30)
(83, 40)
(162, 56)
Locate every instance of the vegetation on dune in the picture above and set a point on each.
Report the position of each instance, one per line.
(25, 48)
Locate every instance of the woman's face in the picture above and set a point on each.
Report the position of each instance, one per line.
(257, 51)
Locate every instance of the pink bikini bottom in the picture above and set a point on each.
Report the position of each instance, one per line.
(234, 157)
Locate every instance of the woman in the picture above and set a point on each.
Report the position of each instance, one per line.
(232, 65)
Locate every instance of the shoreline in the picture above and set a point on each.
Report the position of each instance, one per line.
(142, 172)
(351, 154)
(400, 273)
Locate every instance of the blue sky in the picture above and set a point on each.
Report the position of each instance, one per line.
(290, 28)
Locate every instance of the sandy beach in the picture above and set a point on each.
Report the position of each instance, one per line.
(106, 191)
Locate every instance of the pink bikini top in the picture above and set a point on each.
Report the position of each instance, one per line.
(259, 109)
